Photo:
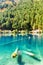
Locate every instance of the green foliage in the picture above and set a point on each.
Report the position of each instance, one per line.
(27, 15)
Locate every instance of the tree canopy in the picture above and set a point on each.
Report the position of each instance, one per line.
(27, 15)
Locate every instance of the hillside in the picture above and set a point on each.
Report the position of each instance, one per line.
(4, 4)
(27, 15)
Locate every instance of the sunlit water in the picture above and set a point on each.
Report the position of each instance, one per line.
(30, 43)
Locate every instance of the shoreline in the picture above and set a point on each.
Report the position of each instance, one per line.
(22, 32)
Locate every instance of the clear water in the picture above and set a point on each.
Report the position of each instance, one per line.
(30, 43)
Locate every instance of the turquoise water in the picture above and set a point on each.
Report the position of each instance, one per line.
(30, 43)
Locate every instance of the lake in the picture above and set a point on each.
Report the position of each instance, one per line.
(30, 43)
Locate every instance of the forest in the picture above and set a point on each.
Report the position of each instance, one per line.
(26, 15)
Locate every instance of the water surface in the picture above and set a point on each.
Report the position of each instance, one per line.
(30, 43)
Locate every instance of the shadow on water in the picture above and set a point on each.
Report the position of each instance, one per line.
(19, 60)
